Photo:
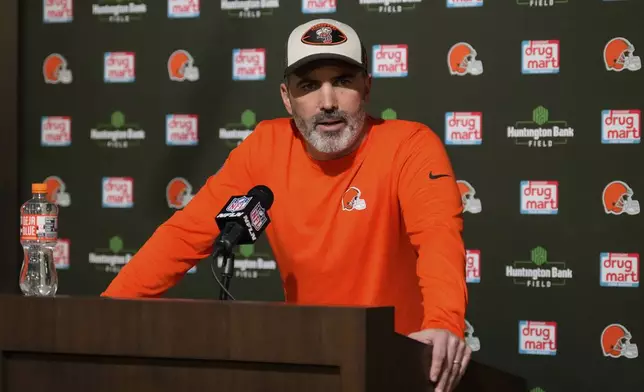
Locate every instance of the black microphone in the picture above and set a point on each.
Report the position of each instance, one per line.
(241, 221)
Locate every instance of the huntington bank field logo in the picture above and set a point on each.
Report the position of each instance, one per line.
(112, 258)
(249, 9)
(541, 3)
(541, 132)
(118, 133)
(234, 133)
(389, 114)
(119, 11)
(539, 272)
(389, 6)
(250, 264)
(537, 337)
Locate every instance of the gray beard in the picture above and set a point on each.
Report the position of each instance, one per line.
(331, 142)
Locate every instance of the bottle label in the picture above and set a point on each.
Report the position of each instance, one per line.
(38, 227)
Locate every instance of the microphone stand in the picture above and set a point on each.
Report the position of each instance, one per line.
(227, 274)
(224, 248)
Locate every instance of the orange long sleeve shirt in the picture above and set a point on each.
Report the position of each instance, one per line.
(379, 227)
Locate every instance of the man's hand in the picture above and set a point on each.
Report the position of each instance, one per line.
(450, 357)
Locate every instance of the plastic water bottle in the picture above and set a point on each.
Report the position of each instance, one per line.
(38, 236)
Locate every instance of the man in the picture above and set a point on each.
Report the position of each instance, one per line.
(366, 211)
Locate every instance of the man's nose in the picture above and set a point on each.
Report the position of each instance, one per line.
(328, 100)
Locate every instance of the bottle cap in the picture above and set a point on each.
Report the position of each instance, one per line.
(38, 188)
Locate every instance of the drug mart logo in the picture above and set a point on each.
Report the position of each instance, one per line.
(249, 9)
(541, 3)
(118, 133)
(463, 128)
(539, 197)
(621, 126)
(181, 9)
(55, 131)
(249, 64)
(119, 67)
(539, 271)
(250, 264)
(235, 133)
(473, 266)
(112, 258)
(537, 337)
(61, 254)
(619, 269)
(118, 192)
(119, 11)
(540, 57)
(319, 6)
(389, 6)
(389, 61)
(464, 3)
(541, 131)
(181, 130)
(58, 11)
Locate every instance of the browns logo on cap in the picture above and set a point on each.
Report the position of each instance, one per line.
(324, 34)
(322, 39)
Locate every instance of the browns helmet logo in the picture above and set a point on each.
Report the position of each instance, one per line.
(181, 66)
(55, 70)
(323, 34)
(56, 191)
(618, 56)
(461, 60)
(618, 199)
(470, 203)
(616, 342)
(351, 200)
(178, 193)
(470, 339)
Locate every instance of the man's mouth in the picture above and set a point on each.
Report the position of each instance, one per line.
(330, 125)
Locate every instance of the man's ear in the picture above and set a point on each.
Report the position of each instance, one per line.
(285, 99)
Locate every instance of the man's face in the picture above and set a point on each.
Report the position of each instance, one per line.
(327, 102)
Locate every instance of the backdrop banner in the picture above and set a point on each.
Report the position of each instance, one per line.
(129, 106)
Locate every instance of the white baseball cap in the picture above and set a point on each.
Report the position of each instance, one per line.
(324, 39)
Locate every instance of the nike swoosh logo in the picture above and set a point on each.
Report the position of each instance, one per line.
(433, 176)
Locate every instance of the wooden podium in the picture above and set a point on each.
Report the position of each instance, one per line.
(94, 344)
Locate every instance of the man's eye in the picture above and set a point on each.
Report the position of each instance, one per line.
(307, 86)
(343, 81)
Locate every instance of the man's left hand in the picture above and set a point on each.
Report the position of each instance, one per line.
(450, 357)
